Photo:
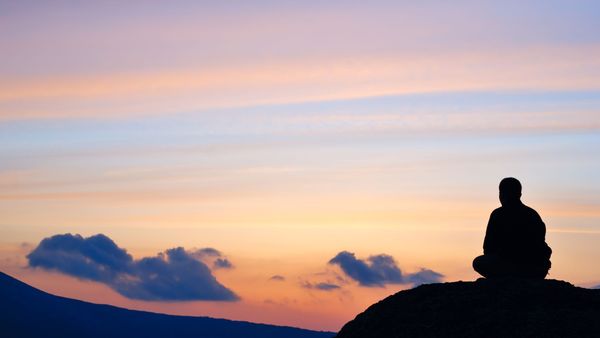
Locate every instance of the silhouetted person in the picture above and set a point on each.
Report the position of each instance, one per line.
(515, 244)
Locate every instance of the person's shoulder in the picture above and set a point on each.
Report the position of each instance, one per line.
(497, 211)
(530, 210)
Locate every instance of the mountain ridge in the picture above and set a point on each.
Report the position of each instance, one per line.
(29, 312)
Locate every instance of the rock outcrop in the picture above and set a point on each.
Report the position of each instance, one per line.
(484, 308)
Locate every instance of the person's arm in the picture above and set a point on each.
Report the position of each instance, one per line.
(540, 236)
(541, 229)
(490, 243)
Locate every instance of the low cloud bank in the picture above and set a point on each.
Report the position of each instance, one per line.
(379, 270)
(172, 275)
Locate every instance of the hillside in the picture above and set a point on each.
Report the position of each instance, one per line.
(28, 312)
(509, 308)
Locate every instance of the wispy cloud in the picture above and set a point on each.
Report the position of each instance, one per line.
(169, 92)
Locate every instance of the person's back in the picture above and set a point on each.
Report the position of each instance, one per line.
(514, 244)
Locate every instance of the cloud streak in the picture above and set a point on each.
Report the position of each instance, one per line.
(173, 275)
(322, 286)
(379, 270)
(278, 278)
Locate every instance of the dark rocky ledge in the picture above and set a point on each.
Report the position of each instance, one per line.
(485, 308)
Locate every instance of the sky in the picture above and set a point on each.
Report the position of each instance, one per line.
(289, 162)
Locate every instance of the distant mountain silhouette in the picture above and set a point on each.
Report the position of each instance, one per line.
(29, 312)
(485, 308)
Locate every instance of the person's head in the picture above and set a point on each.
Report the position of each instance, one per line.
(510, 191)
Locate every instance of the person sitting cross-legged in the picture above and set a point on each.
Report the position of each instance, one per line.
(514, 244)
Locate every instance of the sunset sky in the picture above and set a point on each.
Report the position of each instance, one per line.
(286, 135)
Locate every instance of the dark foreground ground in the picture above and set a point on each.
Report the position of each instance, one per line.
(28, 312)
(509, 308)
